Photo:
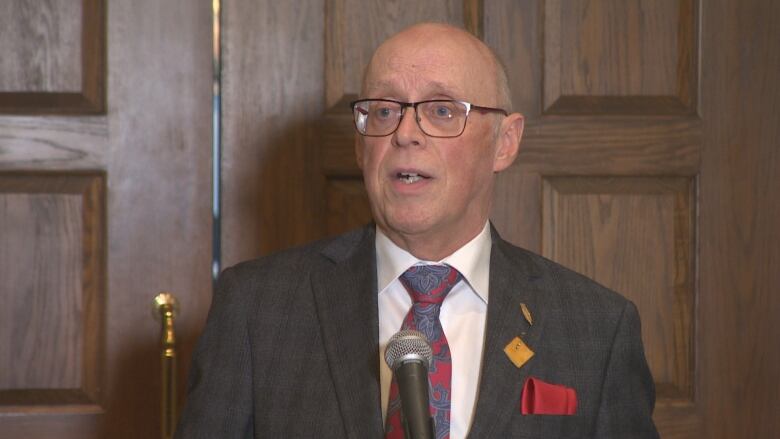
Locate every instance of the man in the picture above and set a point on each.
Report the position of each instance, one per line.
(293, 342)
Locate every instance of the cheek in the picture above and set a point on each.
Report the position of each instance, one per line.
(471, 163)
(370, 159)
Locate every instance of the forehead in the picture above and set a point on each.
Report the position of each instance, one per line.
(415, 68)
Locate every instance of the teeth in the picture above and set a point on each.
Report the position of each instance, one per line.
(409, 178)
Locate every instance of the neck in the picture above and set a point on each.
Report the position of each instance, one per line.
(427, 247)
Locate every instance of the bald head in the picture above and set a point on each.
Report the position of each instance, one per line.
(439, 44)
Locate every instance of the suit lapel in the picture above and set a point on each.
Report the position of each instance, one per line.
(512, 282)
(346, 299)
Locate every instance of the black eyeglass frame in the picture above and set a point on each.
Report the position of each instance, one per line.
(404, 105)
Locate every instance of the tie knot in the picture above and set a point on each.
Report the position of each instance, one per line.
(430, 283)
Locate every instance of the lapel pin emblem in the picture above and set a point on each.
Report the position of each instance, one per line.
(527, 314)
(518, 352)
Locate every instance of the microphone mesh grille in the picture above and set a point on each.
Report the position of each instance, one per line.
(408, 344)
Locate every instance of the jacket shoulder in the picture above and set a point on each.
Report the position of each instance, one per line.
(563, 284)
(286, 267)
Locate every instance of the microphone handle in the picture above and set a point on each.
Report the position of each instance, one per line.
(412, 379)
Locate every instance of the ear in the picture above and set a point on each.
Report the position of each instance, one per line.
(508, 141)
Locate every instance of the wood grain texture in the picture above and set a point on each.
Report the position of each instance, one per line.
(473, 17)
(53, 142)
(52, 245)
(42, 313)
(152, 153)
(40, 46)
(634, 235)
(611, 146)
(619, 57)
(516, 205)
(347, 206)
(53, 57)
(739, 212)
(512, 30)
(354, 28)
(59, 426)
(158, 165)
(272, 99)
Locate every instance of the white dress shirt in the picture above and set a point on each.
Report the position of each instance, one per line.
(463, 316)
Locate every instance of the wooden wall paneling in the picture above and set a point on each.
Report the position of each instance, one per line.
(53, 142)
(354, 28)
(52, 245)
(40, 46)
(619, 57)
(516, 207)
(53, 57)
(594, 145)
(273, 95)
(146, 163)
(348, 206)
(511, 30)
(739, 211)
(634, 235)
(581, 72)
(158, 166)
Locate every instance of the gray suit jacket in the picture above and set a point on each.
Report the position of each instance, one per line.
(290, 350)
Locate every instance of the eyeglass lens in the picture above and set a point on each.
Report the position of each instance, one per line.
(436, 118)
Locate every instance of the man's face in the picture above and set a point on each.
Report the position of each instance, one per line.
(449, 204)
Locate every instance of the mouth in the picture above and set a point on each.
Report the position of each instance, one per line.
(410, 177)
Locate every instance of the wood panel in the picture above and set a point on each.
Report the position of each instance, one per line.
(739, 220)
(512, 29)
(158, 162)
(41, 47)
(53, 142)
(52, 263)
(347, 205)
(634, 235)
(152, 151)
(270, 122)
(354, 28)
(620, 57)
(53, 57)
(588, 167)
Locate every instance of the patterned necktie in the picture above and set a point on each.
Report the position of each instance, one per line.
(428, 285)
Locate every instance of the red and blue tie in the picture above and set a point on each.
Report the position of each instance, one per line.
(428, 285)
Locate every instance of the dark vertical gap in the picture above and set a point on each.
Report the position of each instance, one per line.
(216, 141)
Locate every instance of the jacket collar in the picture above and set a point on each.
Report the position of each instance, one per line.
(346, 300)
(514, 280)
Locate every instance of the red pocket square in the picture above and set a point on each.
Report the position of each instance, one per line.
(540, 398)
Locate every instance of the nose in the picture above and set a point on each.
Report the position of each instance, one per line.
(408, 132)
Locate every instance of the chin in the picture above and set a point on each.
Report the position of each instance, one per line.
(408, 224)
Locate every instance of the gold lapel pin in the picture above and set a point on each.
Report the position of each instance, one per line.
(518, 352)
(527, 314)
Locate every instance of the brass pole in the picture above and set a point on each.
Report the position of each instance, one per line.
(165, 309)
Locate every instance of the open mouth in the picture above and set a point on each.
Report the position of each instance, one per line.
(410, 177)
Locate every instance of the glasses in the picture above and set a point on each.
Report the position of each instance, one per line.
(436, 118)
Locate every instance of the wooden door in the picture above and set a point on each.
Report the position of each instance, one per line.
(104, 201)
(649, 163)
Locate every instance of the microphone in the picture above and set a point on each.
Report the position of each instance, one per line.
(408, 354)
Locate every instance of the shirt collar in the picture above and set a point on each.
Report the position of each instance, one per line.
(472, 261)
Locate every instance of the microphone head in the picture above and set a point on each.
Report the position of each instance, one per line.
(406, 345)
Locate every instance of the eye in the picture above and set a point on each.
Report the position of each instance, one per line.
(383, 112)
(442, 111)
